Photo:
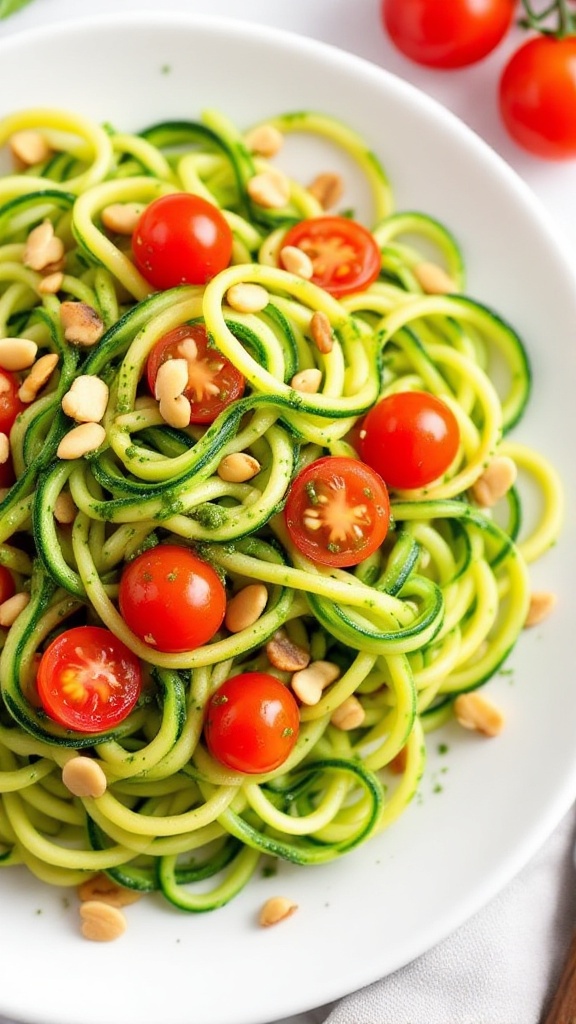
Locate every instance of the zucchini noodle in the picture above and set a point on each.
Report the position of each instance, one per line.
(429, 616)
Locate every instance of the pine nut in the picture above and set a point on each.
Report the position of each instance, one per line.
(264, 140)
(270, 189)
(276, 909)
(17, 353)
(176, 411)
(308, 381)
(122, 218)
(52, 283)
(43, 247)
(296, 261)
(433, 279)
(542, 604)
(349, 715)
(4, 448)
(238, 468)
(64, 508)
(29, 147)
(81, 323)
(86, 400)
(87, 437)
(398, 763)
(10, 609)
(171, 379)
(496, 480)
(246, 607)
(474, 711)
(308, 683)
(327, 188)
(247, 298)
(100, 887)
(101, 922)
(84, 777)
(321, 331)
(285, 655)
(39, 375)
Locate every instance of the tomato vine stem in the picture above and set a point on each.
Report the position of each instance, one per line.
(563, 22)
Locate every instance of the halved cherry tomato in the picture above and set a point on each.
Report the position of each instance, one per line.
(88, 680)
(7, 585)
(410, 438)
(447, 33)
(538, 96)
(345, 256)
(181, 239)
(10, 404)
(171, 599)
(338, 511)
(252, 723)
(213, 381)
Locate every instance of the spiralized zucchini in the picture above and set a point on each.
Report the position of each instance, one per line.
(429, 616)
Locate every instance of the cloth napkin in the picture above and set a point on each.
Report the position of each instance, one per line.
(498, 968)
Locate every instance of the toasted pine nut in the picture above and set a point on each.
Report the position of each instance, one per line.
(122, 218)
(270, 189)
(4, 448)
(247, 298)
(246, 607)
(83, 776)
(101, 922)
(433, 279)
(87, 399)
(542, 603)
(327, 188)
(81, 323)
(398, 763)
(264, 140)
(11, 608)
(321, 331)
(52, 283)
(349, 715)
(17, 353)
(100, 887)
(171, 379)
(64, 508)
(296, 261)
(176, 411)
(238, 468)
(308, 381)
(86, 437)
(43, 247)
(285, 655)
(496, 480)
(474, 711)
(39, 375)
(29, 147)
(309, 682)
(276, 909)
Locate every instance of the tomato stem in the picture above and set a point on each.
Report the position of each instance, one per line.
(563, 22)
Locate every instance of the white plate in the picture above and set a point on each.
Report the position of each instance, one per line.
(385, 904)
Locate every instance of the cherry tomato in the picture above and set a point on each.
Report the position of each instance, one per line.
(338, 511)
(447, 33)
(10, 404)
(538, 96)
(181, 239)
(251, 723)
(7, 585)
(345, 256)
(410, 438)
(171, 599)
(88, 680)
(213, 381)
(7, 474)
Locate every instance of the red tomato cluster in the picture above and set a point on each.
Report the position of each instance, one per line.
(537, 88)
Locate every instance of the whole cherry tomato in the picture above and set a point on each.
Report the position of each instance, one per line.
(538, 96)
(171, 599)
(88, 680)
(252, 723)
(345, 256)
(213, 381)
(447, 33)
(337, 512)
(410, 438)
(181, 239)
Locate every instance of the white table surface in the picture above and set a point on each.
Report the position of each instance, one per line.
(354, 25)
